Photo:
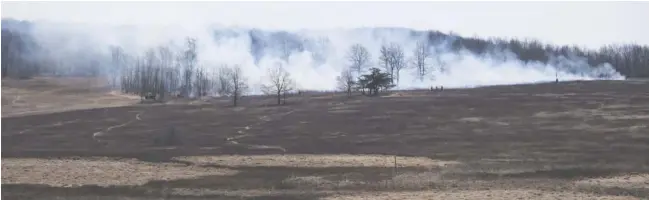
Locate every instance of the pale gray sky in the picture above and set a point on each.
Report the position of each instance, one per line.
(589, 24)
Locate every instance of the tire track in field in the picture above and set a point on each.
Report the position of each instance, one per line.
(16, 98)
(61, 123)
(96, 136)
(264, 119)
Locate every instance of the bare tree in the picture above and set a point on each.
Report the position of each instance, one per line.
(346, 81)
(201, 82)
(279, 83)
(238, 83)
(231, 82)
(397, 61)
(358, 57)
(223, 84)
(188, 59)
(421, 59)
(385, 59)
(117, 61)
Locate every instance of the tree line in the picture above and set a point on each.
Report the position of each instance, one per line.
(162, 72)
(630, 60)
(165, 71)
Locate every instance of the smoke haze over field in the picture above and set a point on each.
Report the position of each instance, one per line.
(595, 25)
(312, 44)
(314, 58)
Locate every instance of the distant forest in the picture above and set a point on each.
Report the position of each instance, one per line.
(19, 50)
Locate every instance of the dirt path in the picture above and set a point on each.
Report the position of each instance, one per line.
(96, 135)
(242, 133)
(117, 93)
(16, 98)
(61, 123)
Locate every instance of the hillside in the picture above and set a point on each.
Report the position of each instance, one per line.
(83, 50)
(48, 94)
(573, 140)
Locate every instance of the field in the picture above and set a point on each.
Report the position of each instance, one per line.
(573, 140)
(49, 95)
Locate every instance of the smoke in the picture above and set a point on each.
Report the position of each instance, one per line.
(313, 57)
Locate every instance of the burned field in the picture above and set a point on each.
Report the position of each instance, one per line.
(571, 140)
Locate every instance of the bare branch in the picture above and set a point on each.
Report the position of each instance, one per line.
(421, 59)
(279, 82)
(346, 81)
(238, 83)
(358, 57)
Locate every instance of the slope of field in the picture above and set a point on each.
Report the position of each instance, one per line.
(50, 94)
(573, 140)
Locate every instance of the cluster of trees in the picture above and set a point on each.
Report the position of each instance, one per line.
(369, 84)
(15, 50)
(392, 59)
(630, 60)
(175, 71)
(163, 73)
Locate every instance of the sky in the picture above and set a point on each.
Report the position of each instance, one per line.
(587, 24)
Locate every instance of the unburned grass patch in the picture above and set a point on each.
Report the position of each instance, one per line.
(622, 181)
(72, 172)
(314, 160)
(252, 193)
(474, 194)
(343, 111)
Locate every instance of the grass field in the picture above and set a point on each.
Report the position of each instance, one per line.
(573, 140)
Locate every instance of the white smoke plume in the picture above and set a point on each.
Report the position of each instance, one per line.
(313, 57)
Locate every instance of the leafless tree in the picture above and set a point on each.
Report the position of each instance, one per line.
(117, 62)
(346, 81)
(188, 60)
(279, 82)
(201, 82)
(421, 59)
(238, 84)
(385, 59)
(397, 60)
(358, 57)
(222, 83)
(169, 70)
(392, 59)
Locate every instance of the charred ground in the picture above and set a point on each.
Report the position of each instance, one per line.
(546, 138)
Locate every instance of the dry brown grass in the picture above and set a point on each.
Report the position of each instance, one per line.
(307, 160)
(610, 113)
(626, 181)
(43, 95)
(244, 193)
(320, 183)
(96, 171)
(474, 194)
(427, 195)
(351, 181)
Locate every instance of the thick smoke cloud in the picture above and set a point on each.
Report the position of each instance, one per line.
(313, 57)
